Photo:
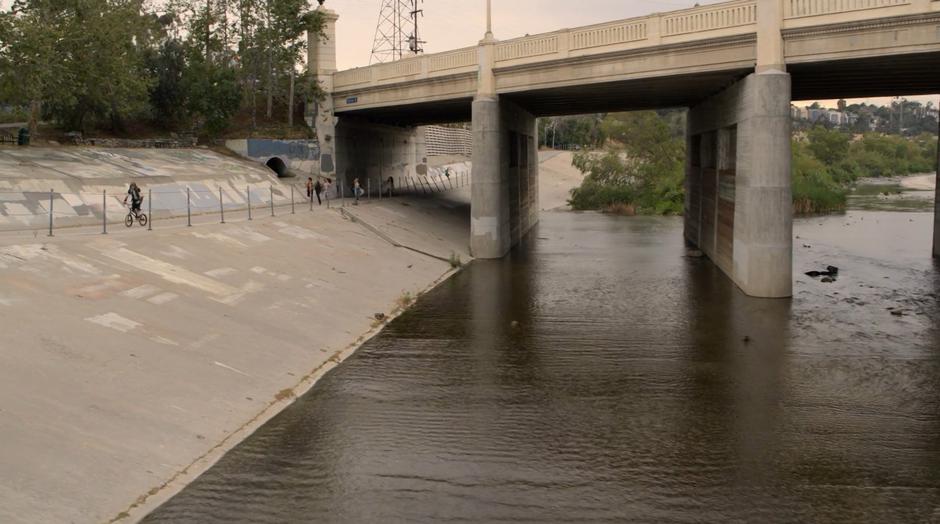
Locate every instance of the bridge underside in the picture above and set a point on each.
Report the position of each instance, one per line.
(890, 75)
(738, 178)
(893, 75)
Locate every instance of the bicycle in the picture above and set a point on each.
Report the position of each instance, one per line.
(135, 214)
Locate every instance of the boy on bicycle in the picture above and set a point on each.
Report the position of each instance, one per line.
(133, 192)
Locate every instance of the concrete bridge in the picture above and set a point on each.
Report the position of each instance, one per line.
(736, 65)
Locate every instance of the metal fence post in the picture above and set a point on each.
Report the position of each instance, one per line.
(292, 199)
(271, 190)
(311, 199)
(189, 214)
(104, 211)
(150, 210)
(369, 189)
(221, 206)
(342, 194)
(50, 211)
(248, 194)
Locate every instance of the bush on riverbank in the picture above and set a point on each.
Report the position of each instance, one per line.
(640, 171)
(815, 190)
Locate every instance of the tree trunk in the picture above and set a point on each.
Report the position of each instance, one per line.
(290, 101)
(270, 82)
(35, 107)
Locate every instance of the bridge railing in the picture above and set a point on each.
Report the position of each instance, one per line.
(424, 66)
(727, 19)
(808, 13)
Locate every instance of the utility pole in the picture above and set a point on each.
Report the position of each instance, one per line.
(396, 34)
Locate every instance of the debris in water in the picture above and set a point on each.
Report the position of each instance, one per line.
(831, 271)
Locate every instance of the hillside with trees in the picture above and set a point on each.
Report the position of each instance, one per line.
(126, 67)
(634, 162)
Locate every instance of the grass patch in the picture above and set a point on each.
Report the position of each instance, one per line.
(284, 394)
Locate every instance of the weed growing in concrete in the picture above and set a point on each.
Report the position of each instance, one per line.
(455, 260)
(284, 394)
(405, 300)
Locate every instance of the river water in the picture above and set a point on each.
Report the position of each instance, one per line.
(598, 374)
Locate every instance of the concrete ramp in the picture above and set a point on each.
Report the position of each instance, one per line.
(85, 181)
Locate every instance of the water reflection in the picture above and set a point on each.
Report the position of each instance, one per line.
(597, 374)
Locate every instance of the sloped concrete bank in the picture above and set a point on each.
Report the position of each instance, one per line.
(131, 362)
(88, 184)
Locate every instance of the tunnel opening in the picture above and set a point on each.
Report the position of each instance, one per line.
(278, 166)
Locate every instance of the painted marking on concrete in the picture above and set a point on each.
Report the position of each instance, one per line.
(252, 236)
(70, 262)
(12, 197)
(164, 341)
(230, 368)
(141, 292)
(115, 322)
(170, 273)
(284, 278)
(73, 200)
(300, 233)
(220, 272)
(19, 212)
(6, 301)
(203, 340)
(219, 237)
(163, 298)
(176, 252)
(235, 298)
(258, 270)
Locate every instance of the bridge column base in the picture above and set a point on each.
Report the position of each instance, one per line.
(936, 211)
(504, 177)
(739, 208)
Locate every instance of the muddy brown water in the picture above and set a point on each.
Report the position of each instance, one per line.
(599, 375)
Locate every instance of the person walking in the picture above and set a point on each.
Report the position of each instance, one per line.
(357, 190)
(391, 186)
(309, 188)
(318, 188)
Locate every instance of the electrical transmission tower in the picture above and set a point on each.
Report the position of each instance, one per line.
(396, 35)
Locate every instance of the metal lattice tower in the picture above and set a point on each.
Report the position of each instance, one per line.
(396, 35)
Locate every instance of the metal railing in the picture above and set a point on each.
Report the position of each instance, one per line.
(53, 210)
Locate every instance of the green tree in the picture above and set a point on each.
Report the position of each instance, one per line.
(642, 165)
(30, 68)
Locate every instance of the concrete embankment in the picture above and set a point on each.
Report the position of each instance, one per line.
(132, 361)
(85, 181)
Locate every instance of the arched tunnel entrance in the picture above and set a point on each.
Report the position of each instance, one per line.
(278, 166)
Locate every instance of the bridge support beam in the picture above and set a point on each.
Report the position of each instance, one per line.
(504, 181)
(936, 209)
(739, 207)
(374, 152)
(321, 57)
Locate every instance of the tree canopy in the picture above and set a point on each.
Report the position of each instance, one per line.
(190, 65)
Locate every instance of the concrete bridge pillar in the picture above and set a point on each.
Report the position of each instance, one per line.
(321, 57)
(936, 209)
(504, 176)
(739, 207)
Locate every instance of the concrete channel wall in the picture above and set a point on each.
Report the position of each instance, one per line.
(88, 184)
